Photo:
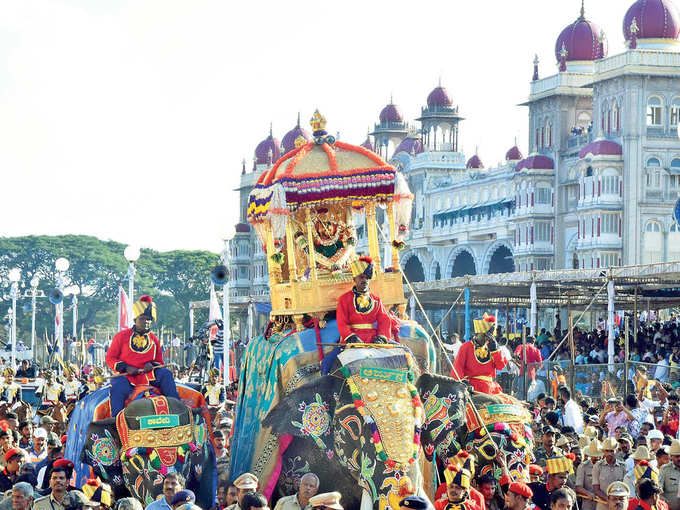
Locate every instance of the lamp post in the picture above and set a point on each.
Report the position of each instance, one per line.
(74, 309)
(62, 265)
(34, 293)
(14, 277)
(226, 325)
(131, 254)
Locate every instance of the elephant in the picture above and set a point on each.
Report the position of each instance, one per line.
(365, 421)
(151, 437)
(493, 422)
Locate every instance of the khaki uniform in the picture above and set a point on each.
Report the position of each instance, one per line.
(541, 455)
(669, 481)
(604, 474)
(71, 389)
(47, 503)
(290, 503)
(584, 479)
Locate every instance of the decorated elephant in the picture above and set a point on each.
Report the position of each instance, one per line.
(151, 437)
(492, 423)
(365, 421)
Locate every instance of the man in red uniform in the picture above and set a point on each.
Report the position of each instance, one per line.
(479, 358)
(360, 314)
(531, 359)
(136, 354)
(457, 490)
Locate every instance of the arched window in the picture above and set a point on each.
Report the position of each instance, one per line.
(616, 121)
(675, 163)
(652, 244)
(654, 111)
(654, 163)
(583, 119)
(675, 111)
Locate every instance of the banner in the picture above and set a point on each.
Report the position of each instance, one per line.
(124, 319)
(215, 312)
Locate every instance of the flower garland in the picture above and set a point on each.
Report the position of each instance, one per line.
(375, 433)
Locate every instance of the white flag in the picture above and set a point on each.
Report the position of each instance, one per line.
(215, 312)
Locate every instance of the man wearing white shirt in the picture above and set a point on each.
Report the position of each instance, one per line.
(661, 372)
(571, 415)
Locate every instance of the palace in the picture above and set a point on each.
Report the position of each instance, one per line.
(596, 189)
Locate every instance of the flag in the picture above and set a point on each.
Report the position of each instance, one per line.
(214, 312)
(124, 321)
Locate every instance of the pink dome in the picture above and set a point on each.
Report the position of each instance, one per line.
(242, 227)
(536, 162)
(439, 97)
(367, 144)
(474, 162)
(262, 151)
(656, 19)
(601, 148)
(581, 39)
(514, 154)
(391, 113)
(410, 146)
(288, 142)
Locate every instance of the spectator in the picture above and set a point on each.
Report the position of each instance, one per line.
(38, 452)
(254, 501)
(22, 496)
(636, 415)
(172, 484)
(671, 415)
(309, 485)
(487, 486)
(531, 359)
(655, 438)
(614, 416)
(58, 486)
(571, 413)
(14, 457)
(663, 456)
(245, 484)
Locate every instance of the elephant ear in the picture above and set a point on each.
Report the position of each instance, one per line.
(102, 448)
(444, 403)
(307, 411)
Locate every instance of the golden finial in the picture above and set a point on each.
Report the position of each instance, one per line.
(318, 122)
(300, 141)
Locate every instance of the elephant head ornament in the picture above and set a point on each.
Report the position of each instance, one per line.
(367, 418)
(150, 438)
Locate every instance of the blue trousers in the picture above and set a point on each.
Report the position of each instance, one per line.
(121, 388)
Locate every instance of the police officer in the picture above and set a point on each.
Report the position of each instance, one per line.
(669, 477)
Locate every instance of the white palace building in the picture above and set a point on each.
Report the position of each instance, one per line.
(597, 188)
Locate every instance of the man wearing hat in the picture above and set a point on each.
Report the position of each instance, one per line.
(213, 391)
(535, 473)
(547, 448)
(10, 391)
(136, 354)
(558, 468)
(360, 314)
(182, 497)
(479, 359)
(325, 501)
(457, 490)
(38, 452)
(51, 392)
(14, 458)
(584, 475)
(669, 477)
(625, 446)
(244, 484)
(607, 470)
(98, 492)
(617, 496)
(640, 455)
(655, 438)
(71, 385)
(517, 496)
(414, 503)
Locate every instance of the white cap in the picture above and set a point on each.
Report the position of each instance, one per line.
(40, 432)
(655, 434)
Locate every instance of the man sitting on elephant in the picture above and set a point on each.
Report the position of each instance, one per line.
(360, 314)
(479, 358)
(136, 354)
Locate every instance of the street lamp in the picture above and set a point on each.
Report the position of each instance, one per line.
(227, 234)
(61, 264)
(14, 277)
(34, 293)
(131, 254)
(74, 309)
